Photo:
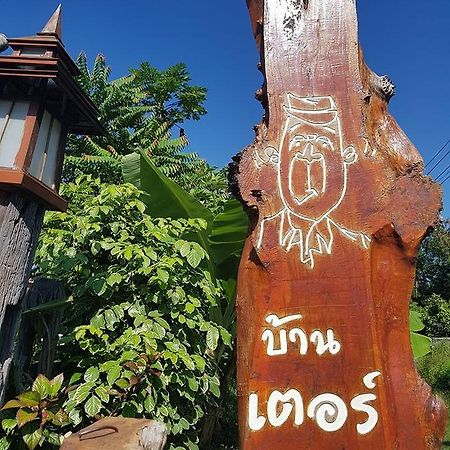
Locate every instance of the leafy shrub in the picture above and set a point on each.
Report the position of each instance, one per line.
(136, 339)
(435, 369)
(433, 263)
(435, 312)
(35, 417)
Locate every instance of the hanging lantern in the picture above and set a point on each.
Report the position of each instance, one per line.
(40, 104)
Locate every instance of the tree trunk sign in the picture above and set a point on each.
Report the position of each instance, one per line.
(339, 206)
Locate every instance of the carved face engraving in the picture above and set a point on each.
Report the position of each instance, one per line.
(312, 173)
(312, 167)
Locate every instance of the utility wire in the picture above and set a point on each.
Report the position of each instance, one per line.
(442, 173)
(445, 179)
(442, 159)
(437, 154)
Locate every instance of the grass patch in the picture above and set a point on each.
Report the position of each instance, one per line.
(435, 369)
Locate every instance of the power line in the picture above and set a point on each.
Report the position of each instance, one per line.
(437, 164)
(442, 173)
(437, 154)
(445, 179)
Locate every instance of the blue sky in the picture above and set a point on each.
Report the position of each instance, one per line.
(406, 39)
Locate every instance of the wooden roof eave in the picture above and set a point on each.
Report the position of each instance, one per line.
(53, 68)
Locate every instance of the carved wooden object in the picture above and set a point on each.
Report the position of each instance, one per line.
(339, 206)
(118, 433)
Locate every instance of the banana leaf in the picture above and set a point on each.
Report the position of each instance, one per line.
(225, 234)
(165, 198)
(415, 322)
(421, 345)
(229, 232)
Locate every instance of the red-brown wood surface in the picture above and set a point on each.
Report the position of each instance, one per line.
(339, 206)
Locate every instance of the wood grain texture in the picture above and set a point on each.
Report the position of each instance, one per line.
(20, 225)
(119, 433)
(31, 329)
(19, 335)
(339, 206)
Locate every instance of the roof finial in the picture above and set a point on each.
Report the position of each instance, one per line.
(53, 26)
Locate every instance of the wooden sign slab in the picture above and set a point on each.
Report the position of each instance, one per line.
(339, 206)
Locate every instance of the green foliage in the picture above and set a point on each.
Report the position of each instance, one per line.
(433, 265)
(227, 238)
(226, 436)
(105, 168)
(222, 240)
(169, 92)
(421, 345)
(119, 112)
(435, 312)
(432, 291)
(137, 339)
(138, 111)
(224, 235)
(36, 417)
(149, 322)
(164, 197)
(435, 369)
(432, 299)
(208, 185)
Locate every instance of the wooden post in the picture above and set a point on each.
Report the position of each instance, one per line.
(339, 206)
(20, 225)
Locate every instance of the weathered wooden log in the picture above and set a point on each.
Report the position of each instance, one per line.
(20, 225)
(118, 433)
(39, 326)
(339, 206)
(7, 343)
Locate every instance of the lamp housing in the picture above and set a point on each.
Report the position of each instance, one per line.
(41, 102)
